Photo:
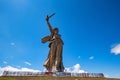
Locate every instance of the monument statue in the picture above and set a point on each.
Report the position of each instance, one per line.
(53, 62)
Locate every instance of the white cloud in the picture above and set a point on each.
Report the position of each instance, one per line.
(13, 44)
(91, 57)
(27, 63)
(75, 69)
(10, 68)
(4, 62)
(106, 75)
(44, 70)
(116, 49)
(78, 57)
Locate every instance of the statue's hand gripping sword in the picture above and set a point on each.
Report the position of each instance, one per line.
(48, 17)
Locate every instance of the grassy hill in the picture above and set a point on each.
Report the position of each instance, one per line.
(51, 78)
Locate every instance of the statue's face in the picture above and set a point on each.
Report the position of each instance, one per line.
(55, 31)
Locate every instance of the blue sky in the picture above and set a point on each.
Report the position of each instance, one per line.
(90, 30)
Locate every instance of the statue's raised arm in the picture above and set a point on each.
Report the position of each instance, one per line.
(48, 23)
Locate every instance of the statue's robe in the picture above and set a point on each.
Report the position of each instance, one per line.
(54, 60)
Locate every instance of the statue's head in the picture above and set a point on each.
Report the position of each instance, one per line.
(55, 30)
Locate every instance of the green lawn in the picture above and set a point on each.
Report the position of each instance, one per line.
(51, 78)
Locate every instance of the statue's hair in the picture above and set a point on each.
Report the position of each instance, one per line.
(56, 29)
